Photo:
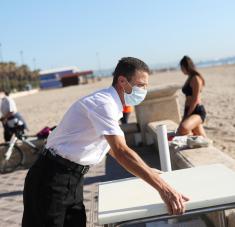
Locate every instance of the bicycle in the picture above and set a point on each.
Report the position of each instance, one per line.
(11, 155)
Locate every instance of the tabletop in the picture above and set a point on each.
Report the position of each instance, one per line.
(132, 198)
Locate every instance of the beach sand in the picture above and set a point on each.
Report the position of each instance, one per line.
(46, 108)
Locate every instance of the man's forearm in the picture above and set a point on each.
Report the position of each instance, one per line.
(133, 163)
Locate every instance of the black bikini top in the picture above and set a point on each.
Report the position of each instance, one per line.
(187, 89)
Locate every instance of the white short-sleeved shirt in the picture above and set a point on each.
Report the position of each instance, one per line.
(8, 105)
(80, 135)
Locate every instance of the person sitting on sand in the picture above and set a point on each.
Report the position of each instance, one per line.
(194, 112)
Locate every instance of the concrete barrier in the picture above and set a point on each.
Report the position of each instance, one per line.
(152, 129)
(24, 93)
(161, 103)
(132, 134)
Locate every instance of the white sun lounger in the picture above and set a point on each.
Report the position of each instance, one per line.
(210, 188)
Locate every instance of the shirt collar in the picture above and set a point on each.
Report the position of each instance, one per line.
(116, 97)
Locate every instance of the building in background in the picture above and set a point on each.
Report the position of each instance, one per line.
(62, 77)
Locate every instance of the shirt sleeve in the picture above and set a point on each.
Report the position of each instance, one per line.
(104, 118)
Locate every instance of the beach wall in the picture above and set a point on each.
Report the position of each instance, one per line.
(21, 93)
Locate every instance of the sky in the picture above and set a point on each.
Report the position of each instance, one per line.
(95, 34)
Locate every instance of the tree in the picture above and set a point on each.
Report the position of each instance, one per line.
(16, 77)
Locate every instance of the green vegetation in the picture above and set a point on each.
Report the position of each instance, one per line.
(17, 78)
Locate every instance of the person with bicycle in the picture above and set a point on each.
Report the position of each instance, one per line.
(53, 190)
(10, 118)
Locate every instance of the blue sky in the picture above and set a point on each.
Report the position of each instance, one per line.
(91, 32)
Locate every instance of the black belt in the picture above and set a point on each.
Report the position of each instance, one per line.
(50, 154)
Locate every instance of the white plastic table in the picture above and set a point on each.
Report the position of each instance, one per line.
(210, 188)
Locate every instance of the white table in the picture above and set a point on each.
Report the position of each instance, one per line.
(210, 188)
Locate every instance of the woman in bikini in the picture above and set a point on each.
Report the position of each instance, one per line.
(194, 111)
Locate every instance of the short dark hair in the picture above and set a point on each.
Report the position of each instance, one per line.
(7, 92)
(127, 67)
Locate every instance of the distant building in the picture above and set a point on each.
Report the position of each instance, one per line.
(62, 77)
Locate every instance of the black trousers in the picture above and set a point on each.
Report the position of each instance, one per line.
(53, 196)
(7, 133)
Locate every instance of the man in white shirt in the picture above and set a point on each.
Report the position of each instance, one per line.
(53, 192)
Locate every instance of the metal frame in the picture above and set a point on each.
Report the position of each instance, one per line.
(220, 209)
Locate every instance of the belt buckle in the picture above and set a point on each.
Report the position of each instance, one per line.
(52, 151)
(84, 170)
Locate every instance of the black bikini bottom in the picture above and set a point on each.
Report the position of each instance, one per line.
(199, 110)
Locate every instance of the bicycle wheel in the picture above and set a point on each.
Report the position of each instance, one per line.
(13, 162)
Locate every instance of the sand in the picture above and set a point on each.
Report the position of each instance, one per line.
(46, 108)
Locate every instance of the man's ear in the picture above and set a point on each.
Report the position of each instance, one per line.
(122, 80)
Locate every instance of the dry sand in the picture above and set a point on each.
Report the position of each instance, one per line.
(46, 108)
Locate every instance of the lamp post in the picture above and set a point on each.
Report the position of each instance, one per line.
(22, 57)
(99, 65)
(34, 64)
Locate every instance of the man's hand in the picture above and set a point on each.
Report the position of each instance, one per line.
(174, 200)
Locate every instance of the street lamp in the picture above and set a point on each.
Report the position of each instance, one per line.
(99, 65)
(34, 64)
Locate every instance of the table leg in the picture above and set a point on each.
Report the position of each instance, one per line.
(222, 218)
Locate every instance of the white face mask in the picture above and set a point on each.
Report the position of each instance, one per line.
(135, 97)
